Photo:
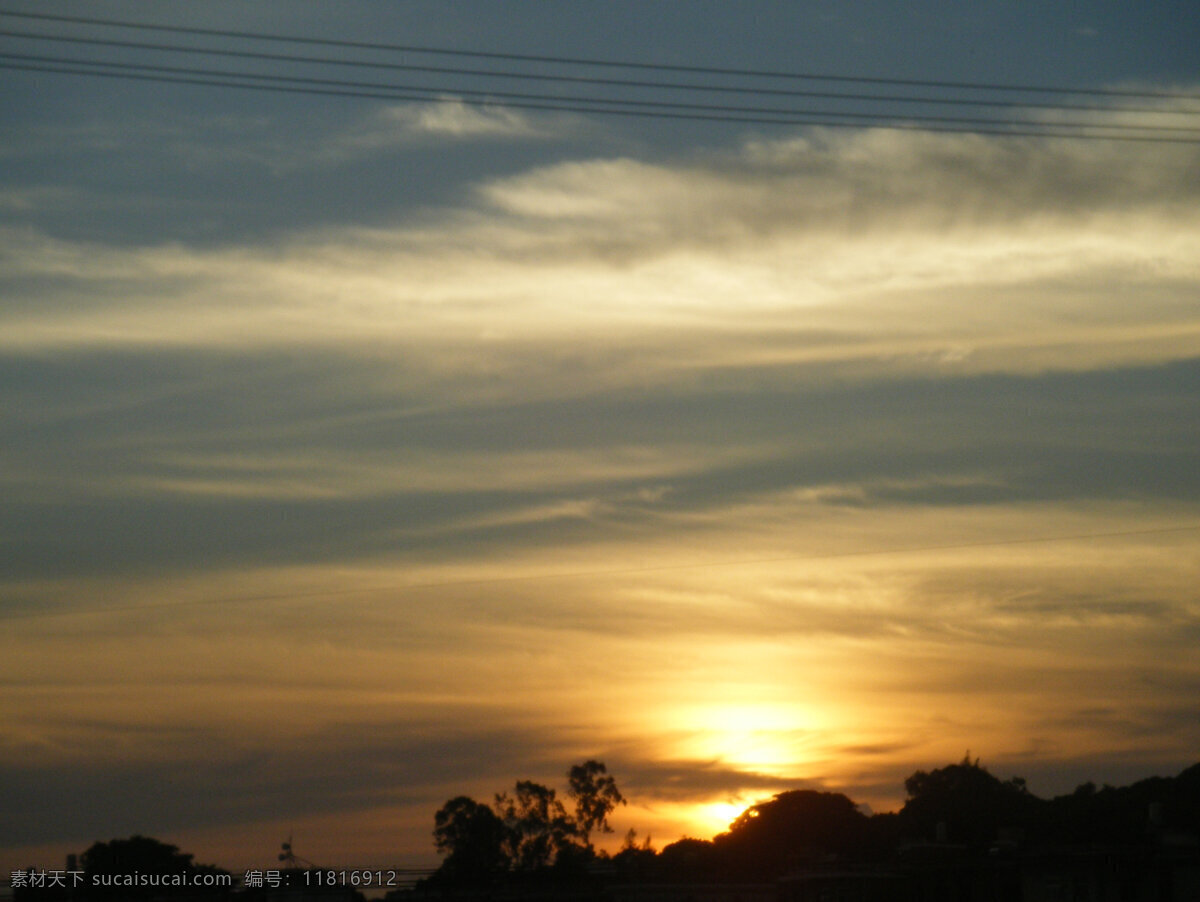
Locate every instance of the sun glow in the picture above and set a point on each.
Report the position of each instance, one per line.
(717, 816)
(763, 738)
(667, 822)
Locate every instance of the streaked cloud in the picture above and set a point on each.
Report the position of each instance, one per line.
(804, 462)
(877, 247)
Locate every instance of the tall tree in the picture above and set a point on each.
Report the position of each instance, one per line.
(596, 796)
(471, 837)
(537, 826)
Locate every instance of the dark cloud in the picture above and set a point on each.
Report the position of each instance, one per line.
(341, 769)
(650, 779)
(874, 749)
(103, 438)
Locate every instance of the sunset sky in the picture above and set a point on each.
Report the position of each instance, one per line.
(359, 453)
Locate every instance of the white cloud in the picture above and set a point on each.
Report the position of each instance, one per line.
(451, 117)
(447, 119)
(880, 246)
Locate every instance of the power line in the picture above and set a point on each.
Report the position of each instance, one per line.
(487, 73)
(607, 63)
(1022, 129)
(588, 80)
(424, 93)
(585, 574)
(592, 105)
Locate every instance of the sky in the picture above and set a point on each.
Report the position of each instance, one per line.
(359, 453)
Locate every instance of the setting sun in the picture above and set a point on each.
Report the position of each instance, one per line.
(761, 738)
(712, 818)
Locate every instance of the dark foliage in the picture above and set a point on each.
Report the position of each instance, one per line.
(959, 809)
(792, 828)
(595, 794)
(472, 837)
(141, 855)
(527, 832)
(963, 803)
(537, 828)
(689, 860)
(137, 868)
(1129, 814)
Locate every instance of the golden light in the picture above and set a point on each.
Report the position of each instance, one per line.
(764, 738)
(666, 822)
(715, 817)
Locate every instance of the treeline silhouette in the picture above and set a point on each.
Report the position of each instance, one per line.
(137, 869)
(526, 832)
(960, 829)
(961, 810)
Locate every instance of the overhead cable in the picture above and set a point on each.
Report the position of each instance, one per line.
(1027, 129)
(1181, 127)
(445, 94)
(583, 79)
(606, 63)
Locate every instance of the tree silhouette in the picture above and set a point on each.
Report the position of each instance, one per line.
(537, 828)
(595, 794)
(969, 801)
(528, 830)
(471, 837)
(793, 827)
(138, 855)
